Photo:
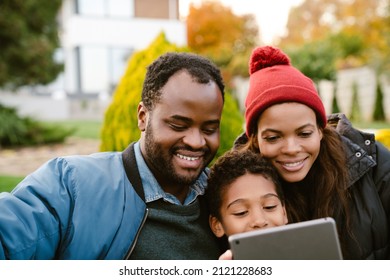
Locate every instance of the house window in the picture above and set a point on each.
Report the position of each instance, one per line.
(91, 7)
(106, 8)
(120, 8)
(94, 69)
(100, 68)
(118, 58)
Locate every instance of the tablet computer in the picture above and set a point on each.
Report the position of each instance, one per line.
(310, 240)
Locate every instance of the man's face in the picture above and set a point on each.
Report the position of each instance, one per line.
(181, 135)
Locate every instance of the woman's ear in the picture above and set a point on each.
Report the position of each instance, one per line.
(216, 226)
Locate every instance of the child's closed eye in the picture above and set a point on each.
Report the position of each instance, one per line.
(270, 207)
(240, 213)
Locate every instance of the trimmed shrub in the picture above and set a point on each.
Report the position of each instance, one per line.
(355, 106)
(335, 104)
(26, 131)
(379, 112)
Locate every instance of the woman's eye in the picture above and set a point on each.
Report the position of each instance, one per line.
(271, 138)
(306, 134)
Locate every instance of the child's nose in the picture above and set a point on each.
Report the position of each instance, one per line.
(258, 220)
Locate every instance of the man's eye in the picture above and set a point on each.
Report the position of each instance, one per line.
(177, 127)
(210, 130)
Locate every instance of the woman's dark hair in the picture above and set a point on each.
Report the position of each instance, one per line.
(158, 73)
(232, 165)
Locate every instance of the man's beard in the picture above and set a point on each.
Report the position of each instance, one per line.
(162, 161)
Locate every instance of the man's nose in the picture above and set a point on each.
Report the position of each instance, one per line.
(194, 138)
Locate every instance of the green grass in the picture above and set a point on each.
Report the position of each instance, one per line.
(371, 125)
(84, 128)
(7, 183)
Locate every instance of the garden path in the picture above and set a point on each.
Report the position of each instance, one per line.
(22, 161)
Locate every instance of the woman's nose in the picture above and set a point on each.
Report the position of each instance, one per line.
(291, 146)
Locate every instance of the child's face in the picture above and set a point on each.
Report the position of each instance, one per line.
(249, 203)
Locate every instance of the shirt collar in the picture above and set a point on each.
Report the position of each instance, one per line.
(153, 190)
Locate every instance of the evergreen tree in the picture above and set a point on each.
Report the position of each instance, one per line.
(379, 112)
(335, 104)
(355, 108)
(29, 38)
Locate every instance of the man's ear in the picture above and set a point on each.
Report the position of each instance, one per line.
(216, 226)
(142, 116)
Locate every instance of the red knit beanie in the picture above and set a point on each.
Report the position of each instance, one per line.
(274, 80)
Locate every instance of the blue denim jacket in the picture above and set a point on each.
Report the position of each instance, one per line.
(78, 207)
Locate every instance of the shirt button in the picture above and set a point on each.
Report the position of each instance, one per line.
(367, 142)
(358, 154)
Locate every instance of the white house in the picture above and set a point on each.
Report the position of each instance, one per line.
(97, 38)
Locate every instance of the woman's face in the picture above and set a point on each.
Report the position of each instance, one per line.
(289, 136)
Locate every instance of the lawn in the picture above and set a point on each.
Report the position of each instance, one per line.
(7, 183)
(84, 128)
(371, 125)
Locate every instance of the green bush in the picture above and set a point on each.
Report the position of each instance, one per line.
(120, 125)
(26, 131)
(232, 124)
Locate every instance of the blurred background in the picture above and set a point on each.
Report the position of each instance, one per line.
(71, 71)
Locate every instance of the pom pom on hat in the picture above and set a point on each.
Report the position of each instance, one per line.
(274, 80)
(266, 57)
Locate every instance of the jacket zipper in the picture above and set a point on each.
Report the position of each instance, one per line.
(137, 235)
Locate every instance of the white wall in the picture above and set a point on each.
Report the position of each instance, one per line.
(365, 80)
(100, 33)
